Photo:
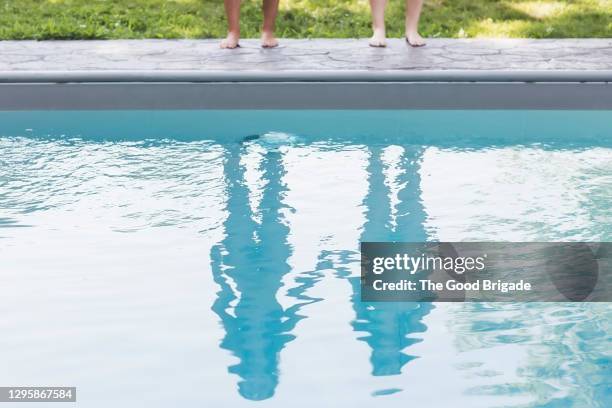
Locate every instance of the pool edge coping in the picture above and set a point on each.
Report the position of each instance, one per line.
(338, 76)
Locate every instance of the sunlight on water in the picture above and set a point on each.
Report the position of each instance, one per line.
(229, 272)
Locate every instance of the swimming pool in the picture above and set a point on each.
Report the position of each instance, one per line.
(210, 258)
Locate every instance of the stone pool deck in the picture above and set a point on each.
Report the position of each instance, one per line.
(306, 74)
(339, 55)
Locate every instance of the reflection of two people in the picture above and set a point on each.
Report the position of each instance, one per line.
(250, 262)
(249, 265)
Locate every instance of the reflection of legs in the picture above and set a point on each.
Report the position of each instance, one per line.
(378, 23)
(390, 326)
(412, 216)
(250, 272)
(232, 10)
(270, 10)
(413, 12)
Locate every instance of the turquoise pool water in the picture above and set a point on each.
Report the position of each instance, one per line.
(211, 258)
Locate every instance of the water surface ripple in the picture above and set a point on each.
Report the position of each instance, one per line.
(229, 272)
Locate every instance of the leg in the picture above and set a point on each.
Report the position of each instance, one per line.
(378, 23)
(413, 12)
(232, 10)
(270, 10)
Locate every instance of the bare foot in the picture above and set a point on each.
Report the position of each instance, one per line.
(231, 41)
(268, 40)
(378, 39)
(415, 39)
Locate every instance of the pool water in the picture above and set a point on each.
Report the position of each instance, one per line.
(215, 268)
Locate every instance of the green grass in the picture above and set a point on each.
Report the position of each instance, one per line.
(105, 19)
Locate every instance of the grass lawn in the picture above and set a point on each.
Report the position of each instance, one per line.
(103, 19)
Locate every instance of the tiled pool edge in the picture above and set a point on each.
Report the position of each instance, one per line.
(438, 127)
(306, 74)
(306, 95)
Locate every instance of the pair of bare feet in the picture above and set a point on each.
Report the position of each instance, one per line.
(379, 39)
(413, 13)
(232, 10)
(268, 40)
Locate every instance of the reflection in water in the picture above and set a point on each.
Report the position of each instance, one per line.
(389, 324)
(251, 261)
(248, 266)
(136, 213)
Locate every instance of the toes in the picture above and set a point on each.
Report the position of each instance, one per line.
(269, 43)
(376, 42)
(415, 41)
(228, 45)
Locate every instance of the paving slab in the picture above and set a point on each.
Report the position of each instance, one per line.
(307, 55)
